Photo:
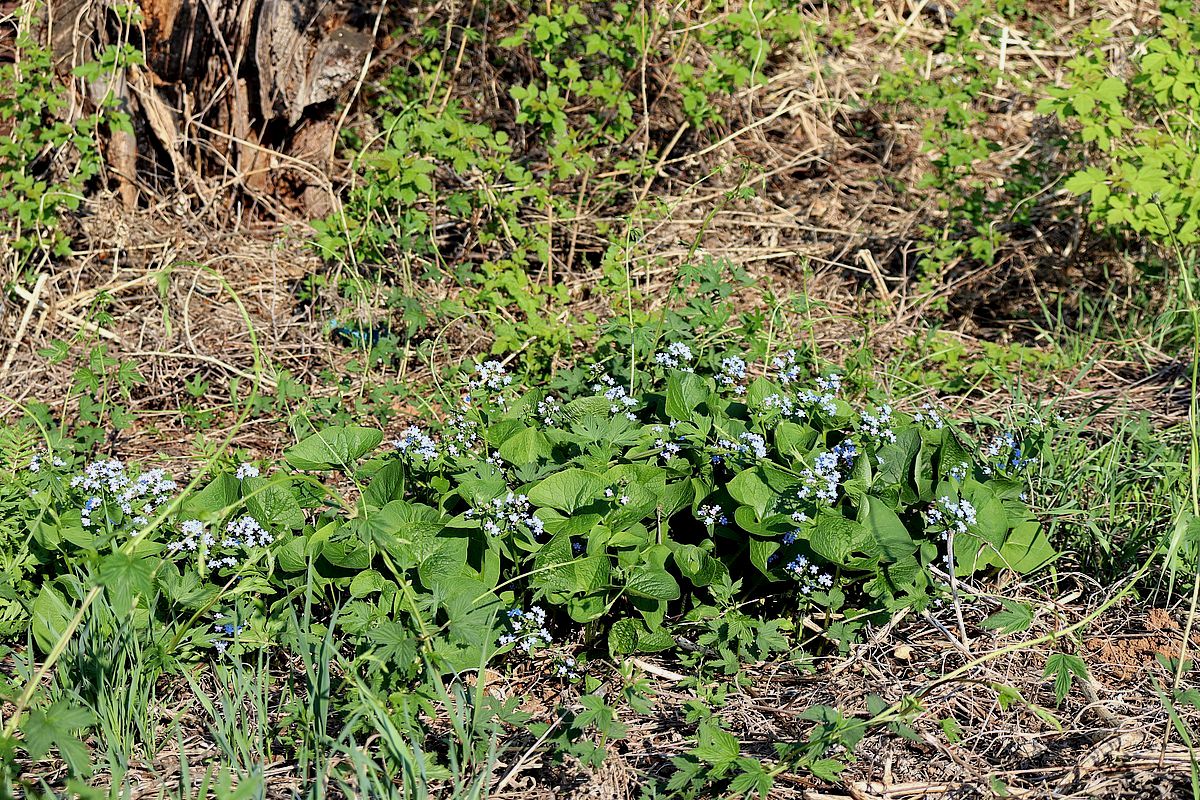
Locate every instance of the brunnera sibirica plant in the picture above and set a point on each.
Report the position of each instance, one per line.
(523, 515)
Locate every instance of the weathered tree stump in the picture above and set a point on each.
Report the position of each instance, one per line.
(236, 99)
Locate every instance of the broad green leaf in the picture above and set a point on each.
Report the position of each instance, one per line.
(836, 538)
(385, 484)
(890, 534)
(793, 439)
(553, 566)
(686, 392)
(567, 490)
(623, 636)
(272, 504)
(646, 581)
(761, 551)
(367, 583)
(655, 640)
(750, 488)
(333, 448)
(293, 556)
(215, 499)
(1026, 548)
(526, 446)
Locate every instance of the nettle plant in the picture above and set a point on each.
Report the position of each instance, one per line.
(613, 508)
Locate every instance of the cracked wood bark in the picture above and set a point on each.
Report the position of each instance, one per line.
(243, 81)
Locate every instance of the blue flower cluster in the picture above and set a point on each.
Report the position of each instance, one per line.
(809, 575)
(527, 629)
(676, 356)
(229, 632)
(1003, 455)
(415, 445)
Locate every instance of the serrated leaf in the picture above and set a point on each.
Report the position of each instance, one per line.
(124, 576)
(1014, 618)
(715, 746)
(1065, 668)
(56, 727)
(50, 615)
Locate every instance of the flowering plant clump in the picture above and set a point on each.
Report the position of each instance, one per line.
(615, 506)
(115, 498)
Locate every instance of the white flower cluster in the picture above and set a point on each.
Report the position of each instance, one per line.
(786, 367)
(620, 399)
(246, 471)
(713, 515)
(957, 515)
(733, 373)
(528, 629)
(193, 535)
(35, 463)
(106, 475)
(567, 668)
(801, 406)
(490, 375)
(809, 575)
(929, 417)
(136, 497)
(550, 410)
(462, 434)
(507, 514)
(878, 423)
(830, 383)
(611, 495)
(669, 449)
(820, 482)
(414, 444)
(242, 536)
(676, 356)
